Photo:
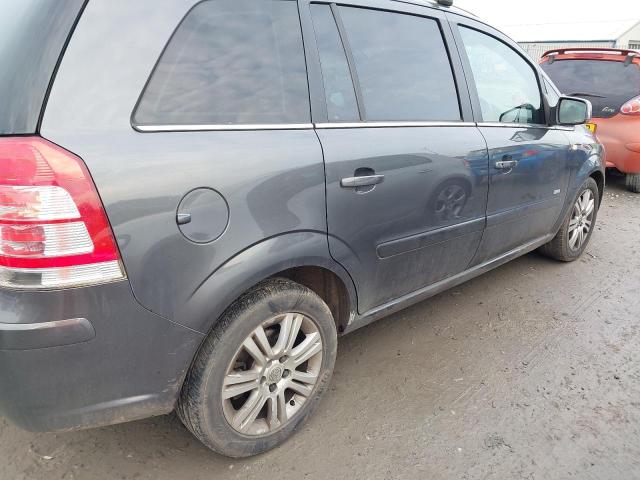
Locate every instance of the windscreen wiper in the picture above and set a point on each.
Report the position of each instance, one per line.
(583, 94)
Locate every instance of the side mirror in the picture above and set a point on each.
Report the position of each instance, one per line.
(573, 111)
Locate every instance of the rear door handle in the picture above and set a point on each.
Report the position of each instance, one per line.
(364, 181)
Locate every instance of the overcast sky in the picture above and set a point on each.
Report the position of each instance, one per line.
(508, 14)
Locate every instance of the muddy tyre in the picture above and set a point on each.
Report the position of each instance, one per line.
(632, 182)
(576, 229)
(261, 371)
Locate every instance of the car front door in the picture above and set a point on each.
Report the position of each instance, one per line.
(529, 166)
(406, 168)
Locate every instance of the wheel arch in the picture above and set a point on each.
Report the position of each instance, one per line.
(299, 256)
(598, 176)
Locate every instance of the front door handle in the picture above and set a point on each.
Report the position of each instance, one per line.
(364, 181)
(506, 164)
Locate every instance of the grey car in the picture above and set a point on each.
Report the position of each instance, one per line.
(198, 197)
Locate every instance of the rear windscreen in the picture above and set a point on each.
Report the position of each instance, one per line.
(607, 84)
(32, 36)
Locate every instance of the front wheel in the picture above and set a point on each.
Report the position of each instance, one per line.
(577, 227)
(261, 371)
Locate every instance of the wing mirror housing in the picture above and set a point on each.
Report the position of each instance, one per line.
(573, 111)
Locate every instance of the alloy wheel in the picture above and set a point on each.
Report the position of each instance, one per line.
(272, 375)
(581, 220)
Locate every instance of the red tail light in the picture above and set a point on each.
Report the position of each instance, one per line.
(54, 231)
(632, 107)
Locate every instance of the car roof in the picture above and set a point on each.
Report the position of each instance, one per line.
(435, 4)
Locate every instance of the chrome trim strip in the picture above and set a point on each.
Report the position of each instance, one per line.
(523, 125)
(392, 124)
(328, 126)
(206, 128)
(511, 125)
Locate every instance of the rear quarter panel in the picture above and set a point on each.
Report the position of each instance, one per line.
(272, 181)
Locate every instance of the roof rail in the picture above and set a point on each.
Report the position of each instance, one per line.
(600, 50)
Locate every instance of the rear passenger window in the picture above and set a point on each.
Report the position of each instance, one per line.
(507, 85)
(231, 62)
(338, 84)
(402, 66)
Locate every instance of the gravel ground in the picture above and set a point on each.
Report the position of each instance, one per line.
(531, 371)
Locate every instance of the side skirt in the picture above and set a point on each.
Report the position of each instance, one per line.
(439, 287)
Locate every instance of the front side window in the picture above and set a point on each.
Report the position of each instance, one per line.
(402, 66)
(507, 85)
(231, 62)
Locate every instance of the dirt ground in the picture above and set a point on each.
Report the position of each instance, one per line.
(531, 371)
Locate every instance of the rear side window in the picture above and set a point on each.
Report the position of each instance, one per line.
(402, 66)
(507, 85)
(231, 62)
(32, 36)
(338, 84)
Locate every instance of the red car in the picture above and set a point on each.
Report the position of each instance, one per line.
(610, 79)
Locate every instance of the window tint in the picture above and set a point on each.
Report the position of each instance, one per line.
(402, 66)
(338, 84)
(32, 36)
(231, 62)
(597, 77)
(506, 83)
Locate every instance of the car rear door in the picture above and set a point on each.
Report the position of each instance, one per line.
(406, 169)
(529, 167)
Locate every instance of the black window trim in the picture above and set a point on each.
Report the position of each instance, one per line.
(346, 46)
(440, 21)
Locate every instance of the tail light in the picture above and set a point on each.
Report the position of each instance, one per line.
(54, 231)
(632, 107)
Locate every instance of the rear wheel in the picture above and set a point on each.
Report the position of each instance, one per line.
(576, 230)
(633, 182)
(261, 371)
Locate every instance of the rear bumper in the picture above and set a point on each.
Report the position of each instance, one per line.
(621, 137)
(87, 357)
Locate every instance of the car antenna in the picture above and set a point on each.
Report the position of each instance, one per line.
(446, 3)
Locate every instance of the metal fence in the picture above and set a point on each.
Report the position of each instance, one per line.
(536, 50)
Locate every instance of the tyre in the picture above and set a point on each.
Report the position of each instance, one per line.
(261, 371)
(632, 182)
(577, 227)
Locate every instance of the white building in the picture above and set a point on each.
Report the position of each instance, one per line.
(537, 39)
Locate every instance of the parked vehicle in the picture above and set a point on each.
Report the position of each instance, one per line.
(198, 197)
(610, 79)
